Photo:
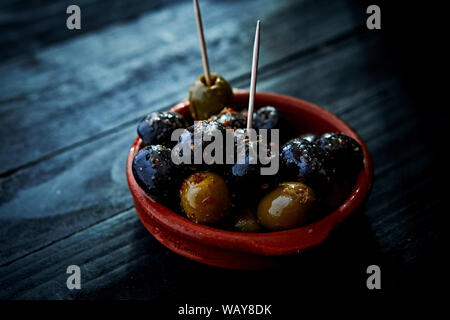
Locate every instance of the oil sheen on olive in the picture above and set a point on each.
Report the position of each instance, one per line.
(345, 153)
(246, 220)
(230, 119)
(155, 172)
(245, 176)
(269, 117)
(290, 205)
(205, 197)
(306, 162)
(311, 137)
(157, 127)
(206, 101)
(198, 138)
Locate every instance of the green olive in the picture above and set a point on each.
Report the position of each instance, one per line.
(290, 205)
(246, 221)
(205, 101)
(205, 197)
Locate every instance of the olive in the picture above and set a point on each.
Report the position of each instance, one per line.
(306, 162)
(196, 139)
(290, 205)
(155, 172)
(268, 117)
(311, 137)
(230, 118)
(345, 153)
(205, 197)
(204, 101)
(245, 176)
(157, 127)
(246, 221)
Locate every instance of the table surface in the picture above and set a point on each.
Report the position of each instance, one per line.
(70, 101)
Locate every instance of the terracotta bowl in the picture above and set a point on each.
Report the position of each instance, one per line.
(237, 250)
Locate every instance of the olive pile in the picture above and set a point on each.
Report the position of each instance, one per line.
(316, 173)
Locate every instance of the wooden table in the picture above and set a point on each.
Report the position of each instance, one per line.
(70, 101)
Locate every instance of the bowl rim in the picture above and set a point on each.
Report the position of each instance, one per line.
(285, 242)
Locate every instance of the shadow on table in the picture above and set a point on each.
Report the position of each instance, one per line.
(337, 266)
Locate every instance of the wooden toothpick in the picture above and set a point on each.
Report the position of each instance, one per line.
(205, 62)
(251, 100)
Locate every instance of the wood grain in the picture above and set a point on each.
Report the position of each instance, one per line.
(64, 198)
(131, 262)
(86, 184)
(28, 26)
(95, 83)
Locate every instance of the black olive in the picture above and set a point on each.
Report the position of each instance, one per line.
(231, 119)
(157, 127)
(345, 153)
(304, 161)
(311, 137)
(244, 176)
(206, 131)
(269, 117)
(155, 172)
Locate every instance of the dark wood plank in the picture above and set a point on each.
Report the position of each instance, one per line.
(126, 262)
(390, 220)
(28, 26)
(401, 228)
(84, 185)
(79, 90)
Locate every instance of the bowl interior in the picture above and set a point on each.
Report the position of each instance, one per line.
(305, 118)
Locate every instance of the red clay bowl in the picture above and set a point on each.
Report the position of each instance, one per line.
(237, 250)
